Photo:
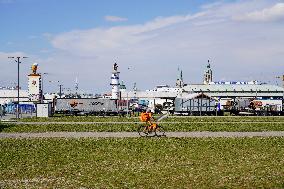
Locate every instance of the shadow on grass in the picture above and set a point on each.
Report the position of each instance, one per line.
(4, 126)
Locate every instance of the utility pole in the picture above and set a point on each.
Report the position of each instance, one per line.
(60, 90)
(17, 60)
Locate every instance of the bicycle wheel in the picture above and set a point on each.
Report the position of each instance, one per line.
(142, 130)
(151, 133)
(160, 131)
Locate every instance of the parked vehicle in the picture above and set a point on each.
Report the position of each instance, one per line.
(89, 106)
(264, 107)
(84, 106)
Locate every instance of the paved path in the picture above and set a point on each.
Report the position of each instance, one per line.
(135, 134)
(131, 122)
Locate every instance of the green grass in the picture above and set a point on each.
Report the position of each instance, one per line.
(81, 119)
(142, 163)
(131, 127)
(170, 124)
(227, 119)
(170, 119)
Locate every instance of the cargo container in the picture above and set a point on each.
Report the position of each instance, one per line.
(86, 106)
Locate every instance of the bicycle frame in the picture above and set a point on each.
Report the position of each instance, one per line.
(152, 129)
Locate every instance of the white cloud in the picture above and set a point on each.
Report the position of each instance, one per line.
(273, 13)
(98, 40)
(212, 5)
(115, 18)
(153, 50)
(95, 40)
(156, 48)
(33, 37)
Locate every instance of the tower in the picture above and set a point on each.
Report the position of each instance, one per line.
(179, 82)
(208, 75)
(76, 84)
(115, 85)
(34, 84)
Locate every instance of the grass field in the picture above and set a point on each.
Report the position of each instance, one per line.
(132, 127)
(169, 124)
(142, 163)
(169, 119)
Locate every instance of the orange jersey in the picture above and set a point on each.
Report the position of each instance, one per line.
(145, 117)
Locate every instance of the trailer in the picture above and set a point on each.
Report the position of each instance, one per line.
(86, 106)
(252, 106)
(267, 107)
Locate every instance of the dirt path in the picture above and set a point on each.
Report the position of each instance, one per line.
(135, 134)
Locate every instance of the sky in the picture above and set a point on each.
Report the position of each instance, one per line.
(150, 40)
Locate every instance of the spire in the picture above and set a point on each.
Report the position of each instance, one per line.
(208, 74)
(179, 82)
(178, 75)
(76, 84)
(208, 65)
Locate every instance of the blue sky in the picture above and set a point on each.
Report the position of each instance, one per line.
(23, 21)
(149, 39)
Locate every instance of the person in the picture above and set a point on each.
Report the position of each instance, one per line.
(146, 116)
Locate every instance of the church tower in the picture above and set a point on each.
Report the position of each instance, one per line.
(208, 75)
(179, 82)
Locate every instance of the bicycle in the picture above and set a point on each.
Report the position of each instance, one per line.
(151, 130)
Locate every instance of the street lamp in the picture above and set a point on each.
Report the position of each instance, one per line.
(17, 60)
(60, 90)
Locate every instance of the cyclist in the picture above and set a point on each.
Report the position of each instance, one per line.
(146, 116)
(150, 128)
